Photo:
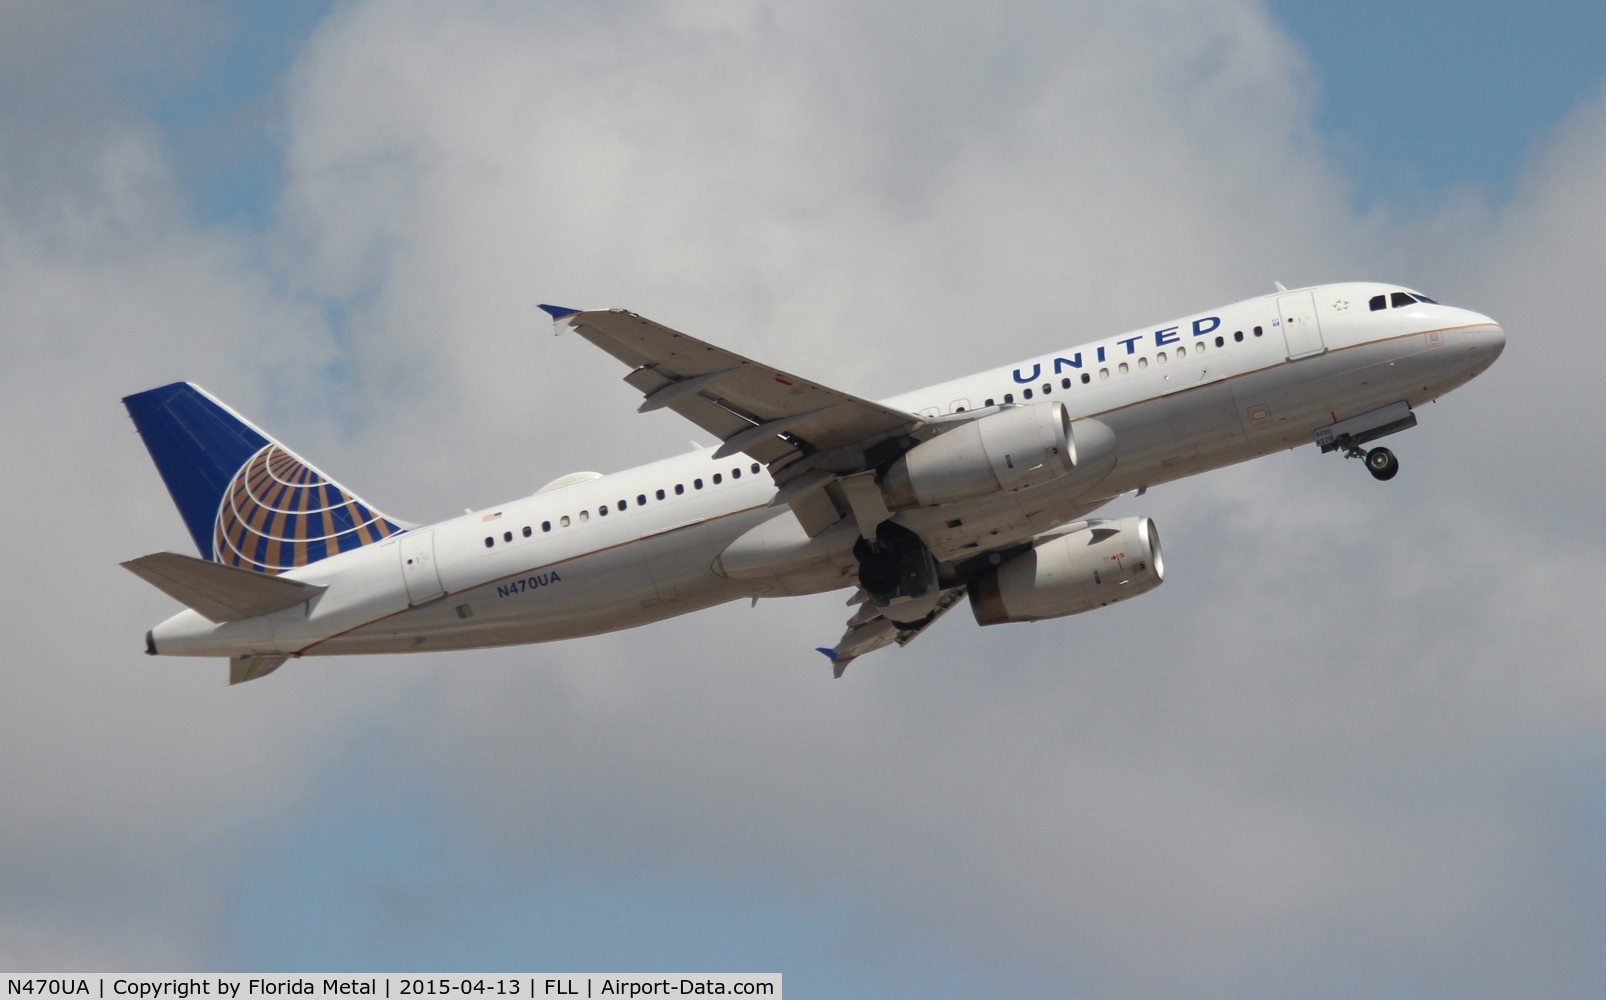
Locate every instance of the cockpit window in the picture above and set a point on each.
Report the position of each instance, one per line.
(1395, 300)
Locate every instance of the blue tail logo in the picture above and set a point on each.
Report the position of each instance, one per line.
(247, 500)
(280, 512)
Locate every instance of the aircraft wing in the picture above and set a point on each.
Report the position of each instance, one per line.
(870, 630)
(772, 415)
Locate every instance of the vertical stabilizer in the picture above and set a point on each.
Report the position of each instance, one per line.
(247, 500)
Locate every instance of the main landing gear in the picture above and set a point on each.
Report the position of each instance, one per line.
(898, 573)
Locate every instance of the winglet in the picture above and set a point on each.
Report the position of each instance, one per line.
(838, 663)
(558, 313)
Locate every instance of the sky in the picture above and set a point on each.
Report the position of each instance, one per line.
(1353, 746)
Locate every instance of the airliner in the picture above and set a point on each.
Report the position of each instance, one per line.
(978, 489)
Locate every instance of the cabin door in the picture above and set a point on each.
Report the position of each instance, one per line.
(1297, 314)
(418, 567)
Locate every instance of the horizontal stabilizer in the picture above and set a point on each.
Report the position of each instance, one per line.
(217, 592)
(249, 668)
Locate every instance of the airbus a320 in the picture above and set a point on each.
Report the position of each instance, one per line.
(977, 489)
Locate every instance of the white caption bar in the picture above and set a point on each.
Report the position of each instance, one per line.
(511, 986)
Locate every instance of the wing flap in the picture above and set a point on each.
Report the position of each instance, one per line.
(695, 406)
(736, 395)
(217, 592)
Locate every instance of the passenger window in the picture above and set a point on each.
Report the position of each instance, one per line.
(659, 494)
(641, 499)
(527, 531)
(1009, 397)
(755, 468)
(1026, 394)
(1378, 302)
(585, 515)
(546, 525)
(1086, 378)
(696, 484)
(1238, 335)
(718, 479)
(1048, 387)
(1161, 358)
(1065, 383)
(1399, 299)
(489, 541)
(1221, 342)
(602, 511)
(563, 521)
(989, 403)
(1143, 362)
(1182, 352)
(507, 536)
(1104, 373)
(736, 473)
(680, 489)
(1258, 331)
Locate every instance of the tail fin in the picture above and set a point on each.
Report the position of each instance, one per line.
(247, 500)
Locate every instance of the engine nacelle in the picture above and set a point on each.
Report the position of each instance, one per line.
(1086, 568)
(1013, 449)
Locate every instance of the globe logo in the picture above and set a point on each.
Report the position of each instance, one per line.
(279, 513)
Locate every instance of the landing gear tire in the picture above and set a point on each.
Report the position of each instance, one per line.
(1382, 464)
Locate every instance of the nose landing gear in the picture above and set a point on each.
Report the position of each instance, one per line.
(1348, 436)
(1382, 464)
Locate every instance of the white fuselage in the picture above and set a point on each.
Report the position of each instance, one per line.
(642, 545)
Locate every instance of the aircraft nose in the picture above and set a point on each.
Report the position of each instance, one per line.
(1485, 338)
(1489, 336)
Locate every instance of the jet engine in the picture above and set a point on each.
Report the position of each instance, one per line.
(1015, 448)
(1091, 565)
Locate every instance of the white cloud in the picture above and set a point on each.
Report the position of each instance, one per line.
(1327, 745)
